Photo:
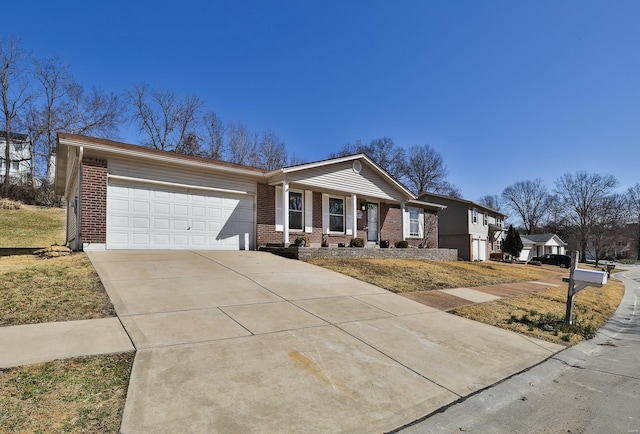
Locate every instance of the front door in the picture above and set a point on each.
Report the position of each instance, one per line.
(372, 222)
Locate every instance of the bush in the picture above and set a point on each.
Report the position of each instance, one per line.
(401, 244)
(384, 244)
(302, 241)
(356, 242)
(42, 195)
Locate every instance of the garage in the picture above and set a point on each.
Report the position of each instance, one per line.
(151, 216)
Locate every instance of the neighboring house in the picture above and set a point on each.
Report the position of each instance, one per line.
(616, 245)
(129, 197)
(20, 151)
(475, 230)
(541, 244)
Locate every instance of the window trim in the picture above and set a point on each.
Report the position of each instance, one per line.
(344, 214)
(415, 221)
(301, 211)
(474, 216)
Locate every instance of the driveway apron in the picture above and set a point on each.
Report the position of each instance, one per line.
(252, 342)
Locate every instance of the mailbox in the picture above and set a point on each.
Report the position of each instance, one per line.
(590, 276)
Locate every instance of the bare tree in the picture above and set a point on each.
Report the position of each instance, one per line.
(61, 104)
(490, 201)
(272, 152)
(633, 209)
(528, 200)
(581, 195)
(164, 118)
(14, 92)
(383, 151)
(609, 213)
(240, 146)
(214, 135)
(425, 171)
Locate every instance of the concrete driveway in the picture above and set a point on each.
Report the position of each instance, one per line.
(252, 342)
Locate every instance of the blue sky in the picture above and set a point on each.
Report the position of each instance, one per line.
(506, 91)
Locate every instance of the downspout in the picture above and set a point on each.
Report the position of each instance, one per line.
(79, 201)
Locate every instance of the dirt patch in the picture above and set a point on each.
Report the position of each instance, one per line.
(437, 299)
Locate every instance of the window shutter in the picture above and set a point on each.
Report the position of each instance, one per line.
(308, 211)
(325, 213)
(348, 216)
(421, 217)
(405, 222)
(279, 210)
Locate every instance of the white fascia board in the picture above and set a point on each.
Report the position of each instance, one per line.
(331, 161)
(160, 158)
(427, 204)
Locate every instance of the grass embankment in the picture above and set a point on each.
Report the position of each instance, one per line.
(405, 275)
(35, 290)
(84, 394)
(539, 314)
(32, 226)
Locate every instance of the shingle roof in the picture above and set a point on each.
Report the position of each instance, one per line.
(15, 136)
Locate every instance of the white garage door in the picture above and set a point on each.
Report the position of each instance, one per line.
(150, 217)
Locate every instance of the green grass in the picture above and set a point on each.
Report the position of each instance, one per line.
(32, 226)
(81, 395)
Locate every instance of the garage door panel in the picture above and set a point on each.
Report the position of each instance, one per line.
(147, 217)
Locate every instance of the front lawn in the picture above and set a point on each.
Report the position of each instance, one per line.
(406, 275)
(35, 290)
(81, 395)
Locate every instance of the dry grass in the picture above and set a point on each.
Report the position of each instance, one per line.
(82, 395)
(405, 275)
(35, 290)
(540, 314)
(32, 226)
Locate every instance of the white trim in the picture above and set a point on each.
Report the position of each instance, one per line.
(349, 214)
(279, 210)
(307, 204)
(354, 157)
(175, 184)
(170, 157)
(405, 221)
(285, 213)
(94, 247)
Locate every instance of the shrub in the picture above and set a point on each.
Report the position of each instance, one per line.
(356, 242)
(401, 244)
(302, 241)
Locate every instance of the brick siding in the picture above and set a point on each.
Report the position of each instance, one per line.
(94, 201)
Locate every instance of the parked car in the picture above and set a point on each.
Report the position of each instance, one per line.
(563, 261)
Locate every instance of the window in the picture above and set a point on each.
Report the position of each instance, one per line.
(336, 215)
(15, 165)
(485, 219)
(499, 221)
(499, 245)
(414, 222)
(295, 211)
(475, 216)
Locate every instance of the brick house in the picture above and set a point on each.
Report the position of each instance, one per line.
(124, 196)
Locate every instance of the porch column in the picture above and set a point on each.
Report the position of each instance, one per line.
(285, 212)
(354, 217)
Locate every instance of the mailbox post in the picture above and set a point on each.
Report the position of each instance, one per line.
(578, 280)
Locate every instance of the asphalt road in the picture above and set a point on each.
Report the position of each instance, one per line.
(593, 387)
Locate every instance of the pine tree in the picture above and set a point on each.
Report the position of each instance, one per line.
(512, 243)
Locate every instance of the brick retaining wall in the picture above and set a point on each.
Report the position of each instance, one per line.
(309, 253)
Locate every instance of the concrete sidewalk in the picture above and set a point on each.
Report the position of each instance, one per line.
(34, 343)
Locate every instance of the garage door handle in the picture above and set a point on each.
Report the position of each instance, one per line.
(188, 229)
